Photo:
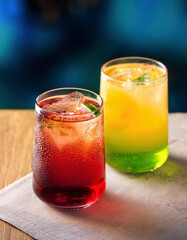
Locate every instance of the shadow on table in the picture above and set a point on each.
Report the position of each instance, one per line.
(174, 169)
(122, 218)
(132, 219)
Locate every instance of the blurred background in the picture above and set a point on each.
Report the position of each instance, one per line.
(46, 44)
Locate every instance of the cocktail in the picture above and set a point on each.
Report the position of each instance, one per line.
(135, 95)
(69, 159)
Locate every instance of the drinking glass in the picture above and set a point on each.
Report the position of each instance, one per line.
(135, 95)
(69, 158)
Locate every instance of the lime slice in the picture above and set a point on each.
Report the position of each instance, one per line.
(92, 108)
(143, 78)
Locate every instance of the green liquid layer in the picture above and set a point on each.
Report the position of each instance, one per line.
(138, 161)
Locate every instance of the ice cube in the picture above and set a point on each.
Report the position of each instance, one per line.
(122, 74)
(68, 104)
(151, 70)
(61, 134)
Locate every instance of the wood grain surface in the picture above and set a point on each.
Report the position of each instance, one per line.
(167, 221)
(16, 152)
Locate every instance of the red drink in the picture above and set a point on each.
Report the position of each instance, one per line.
(69, 164)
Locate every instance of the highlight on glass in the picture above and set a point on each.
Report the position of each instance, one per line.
(69, 158)
(135, 94)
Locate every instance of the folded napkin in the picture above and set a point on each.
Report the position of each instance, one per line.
(148, 206)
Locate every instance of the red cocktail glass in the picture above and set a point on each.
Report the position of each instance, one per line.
(69, 160)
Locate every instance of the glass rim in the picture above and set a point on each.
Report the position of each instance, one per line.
(107, 77)
(41, 110)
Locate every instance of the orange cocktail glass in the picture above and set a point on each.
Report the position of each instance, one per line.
(135, 94)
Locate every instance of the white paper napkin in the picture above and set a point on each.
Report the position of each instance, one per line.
(147, 206)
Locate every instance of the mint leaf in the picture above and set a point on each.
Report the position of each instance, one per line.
(143, 78)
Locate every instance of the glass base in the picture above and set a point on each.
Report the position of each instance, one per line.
(69, 197)
(137, 162)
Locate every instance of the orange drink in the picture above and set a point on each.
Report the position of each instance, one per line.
(135, 94)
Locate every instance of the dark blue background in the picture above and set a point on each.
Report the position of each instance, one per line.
(49, 44)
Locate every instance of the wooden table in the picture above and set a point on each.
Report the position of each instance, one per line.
(16, 136)
(16, 152)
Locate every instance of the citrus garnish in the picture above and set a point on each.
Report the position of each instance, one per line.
(143, 78)
(92, 108)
